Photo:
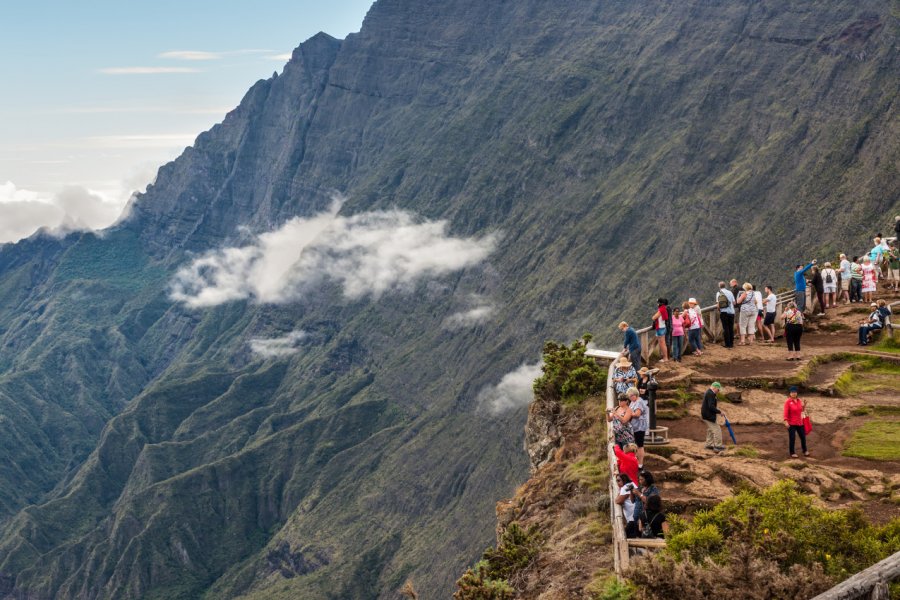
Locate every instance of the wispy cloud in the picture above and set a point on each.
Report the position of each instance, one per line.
(181, 110)
(191, 55)
(280, 57)
(513, 391)
(146, 70)
(366, 254)
(469, 318)
(278, 347)
(152, 140)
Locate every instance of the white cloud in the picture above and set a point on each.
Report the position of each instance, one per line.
(469, 318)
(513, 391)
(146, 70)
(368, 253)
(179, 110)
(191, 55)
(22, 212)
(280, 57)
(277, 347)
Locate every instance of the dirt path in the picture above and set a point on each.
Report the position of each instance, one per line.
(759, 374)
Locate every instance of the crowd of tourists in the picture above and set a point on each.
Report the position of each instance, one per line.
(678, 332)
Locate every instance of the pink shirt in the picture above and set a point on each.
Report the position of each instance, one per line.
(677, 326)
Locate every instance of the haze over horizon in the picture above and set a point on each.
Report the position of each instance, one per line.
(104, 94)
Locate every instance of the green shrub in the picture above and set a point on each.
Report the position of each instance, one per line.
(610, 588)
(489, 578)
(785, 526)
(568, 374)
(475, 584)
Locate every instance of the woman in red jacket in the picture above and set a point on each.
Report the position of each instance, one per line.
(793, 420)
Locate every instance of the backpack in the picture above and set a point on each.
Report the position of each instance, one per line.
(723, 301)
(647, 531)
(828, 278)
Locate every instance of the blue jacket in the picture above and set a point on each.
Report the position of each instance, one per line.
(631, 340)
(800, 280)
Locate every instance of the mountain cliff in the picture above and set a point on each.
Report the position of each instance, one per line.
(185, 416)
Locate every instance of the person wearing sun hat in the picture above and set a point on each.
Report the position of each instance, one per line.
(709, 412)
(624, 375)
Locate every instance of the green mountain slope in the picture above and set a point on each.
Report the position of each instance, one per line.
(619, 150)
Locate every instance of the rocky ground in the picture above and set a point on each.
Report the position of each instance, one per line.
(570, 477)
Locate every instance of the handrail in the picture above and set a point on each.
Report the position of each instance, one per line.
(616, 514)
(868, 583)
(712, 326)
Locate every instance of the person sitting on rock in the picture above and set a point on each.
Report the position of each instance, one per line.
(873, 323)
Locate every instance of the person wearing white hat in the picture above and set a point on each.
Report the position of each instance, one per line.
(695, 327)
(873, 323)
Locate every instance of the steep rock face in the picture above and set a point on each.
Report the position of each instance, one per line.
(619, 147)
(542, 432)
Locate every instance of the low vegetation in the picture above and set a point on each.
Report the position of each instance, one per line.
(493, 576)
(774, 543)
(869, 374)
(875, 440)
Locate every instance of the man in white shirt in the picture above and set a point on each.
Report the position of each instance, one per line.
(769, 320)
(845, 279)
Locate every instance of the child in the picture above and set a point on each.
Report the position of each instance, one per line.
(677, 335)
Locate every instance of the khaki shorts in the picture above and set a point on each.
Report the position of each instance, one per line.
(845, 284)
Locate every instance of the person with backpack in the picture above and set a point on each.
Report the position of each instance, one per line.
(893, 274)
(725, 301)
(829, 282)
(652, 522)
(818, 285)
(800, 285)
(747, 317)
(660, 318)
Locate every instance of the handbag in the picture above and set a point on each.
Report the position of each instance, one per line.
(807, 424)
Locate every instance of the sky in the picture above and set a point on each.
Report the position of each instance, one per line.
(96, 95)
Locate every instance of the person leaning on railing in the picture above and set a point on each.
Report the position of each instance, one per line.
(632, 344)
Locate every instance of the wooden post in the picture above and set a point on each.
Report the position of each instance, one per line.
(616, 514)
(869, 584)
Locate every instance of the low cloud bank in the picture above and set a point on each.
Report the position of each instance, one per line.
(366, 254)
(278, 347)
(513, 391)
(22, 212)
